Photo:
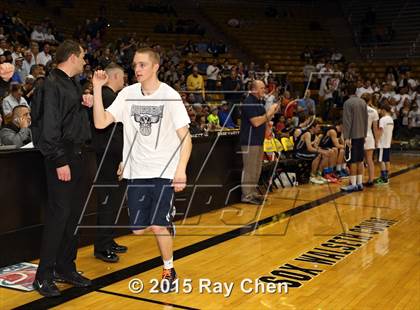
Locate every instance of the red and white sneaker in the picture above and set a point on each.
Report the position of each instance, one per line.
(330, 178)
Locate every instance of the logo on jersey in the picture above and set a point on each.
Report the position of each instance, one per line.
(146, 116)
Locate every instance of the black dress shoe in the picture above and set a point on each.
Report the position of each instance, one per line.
(107, 256)
(116, 248)
(73, 278)
(253, 200)
(46, 288)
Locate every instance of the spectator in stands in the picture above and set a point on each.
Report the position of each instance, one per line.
(37, 34)
(195, 83)
(280, 125)
(328, 98)
(232, 83)
(194, 125)
(253, 124)
(213, 119)
(17, 52)
(250, 69)
(267, 72)
(247, 80)
(307, 70)
(3, 46)
(393, 71)
(188, 67)
(202, 122)
(337, 56)
(34, 49)
(28, 88)
(320, 64)
(17, 132)
(270, 97)
(411, 83)
(225, 71)
(212, 75)
(404, 67)
(44, 57)
(14, 99)
(306, 104)
(414, 118)
(105, 59)
(37, 71)
(28, 62)
(306, 55)
(19, 71)
(325, 73)
(8, 57)
(49, 37)
(225, 117)
(172, 76)
(360, 88)
(404, 119)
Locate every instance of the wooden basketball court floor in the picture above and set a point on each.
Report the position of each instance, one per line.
(336, 251)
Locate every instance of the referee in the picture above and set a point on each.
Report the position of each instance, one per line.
(63, 128)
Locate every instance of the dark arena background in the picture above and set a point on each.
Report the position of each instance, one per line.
(316, 234)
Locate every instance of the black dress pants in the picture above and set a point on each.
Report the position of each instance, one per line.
(62, 214)
(110, 195)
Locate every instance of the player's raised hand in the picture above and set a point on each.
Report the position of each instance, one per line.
(100, 78)
(6, 71)
(87, 100)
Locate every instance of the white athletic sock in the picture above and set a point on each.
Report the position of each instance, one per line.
(344, 166)
(338, 167)
(359, 179)
(353, 179)
(168, 264)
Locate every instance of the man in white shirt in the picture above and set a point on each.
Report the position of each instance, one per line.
(28, 62)
(14, 99)
(49, 37)
(212, 73)
(44, 57)
(386, 127)
(157, 147)
(361, 88)
(37, 35)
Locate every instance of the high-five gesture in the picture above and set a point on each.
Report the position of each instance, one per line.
(6, 71)
(100, 78)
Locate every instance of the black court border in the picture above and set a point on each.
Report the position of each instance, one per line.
(145, 299)
(131, 271)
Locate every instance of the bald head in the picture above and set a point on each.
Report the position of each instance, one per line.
(115, 76)
(21, 116)
(258, 88)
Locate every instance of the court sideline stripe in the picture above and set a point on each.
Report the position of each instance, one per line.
(145, 300)
(117, 276)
